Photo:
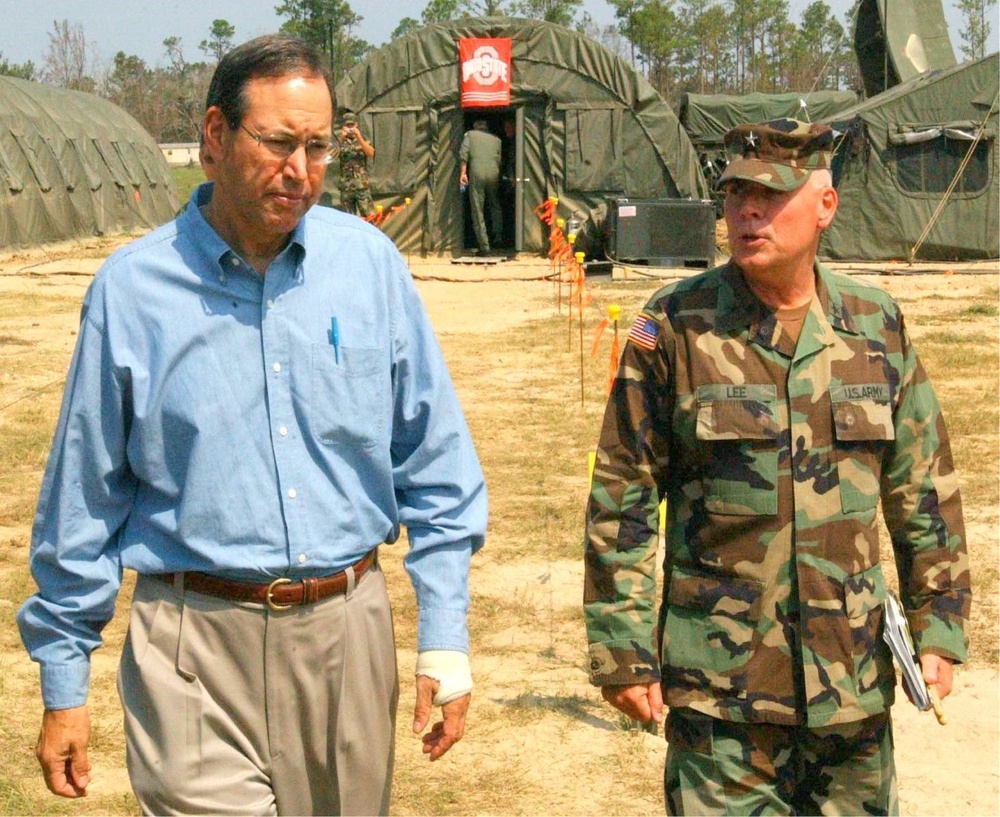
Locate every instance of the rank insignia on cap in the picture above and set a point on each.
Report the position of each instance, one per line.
(779, 154)
(644, 332)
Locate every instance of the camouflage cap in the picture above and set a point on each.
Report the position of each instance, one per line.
(350, 119)
(779, 154)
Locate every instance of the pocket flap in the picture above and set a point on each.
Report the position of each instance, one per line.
(729, 596)
(864, 592)
(737, 412)
(863, 420)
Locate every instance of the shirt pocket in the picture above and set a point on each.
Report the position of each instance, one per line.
(862, 428)
(349, 395)
(739, 427)
(710, 631)
(864, 600)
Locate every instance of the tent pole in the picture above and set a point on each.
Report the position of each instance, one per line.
(885, 51)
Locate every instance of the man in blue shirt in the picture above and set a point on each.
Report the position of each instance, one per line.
(255, 403)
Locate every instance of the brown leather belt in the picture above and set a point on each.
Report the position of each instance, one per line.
(281, 594)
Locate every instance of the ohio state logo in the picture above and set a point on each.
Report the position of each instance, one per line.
(485, 67)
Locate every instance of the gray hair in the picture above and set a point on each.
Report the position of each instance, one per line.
(821, 178)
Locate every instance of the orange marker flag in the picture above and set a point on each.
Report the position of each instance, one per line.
(614, 312)
(547, 209)
(597, 336)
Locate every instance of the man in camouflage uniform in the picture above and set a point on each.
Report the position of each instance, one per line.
(772, 403)
(355, 151)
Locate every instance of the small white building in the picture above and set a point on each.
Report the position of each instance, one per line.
(180, 154)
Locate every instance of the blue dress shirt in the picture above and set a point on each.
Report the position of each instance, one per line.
(251, 427)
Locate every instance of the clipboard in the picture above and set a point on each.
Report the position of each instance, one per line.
(896, 634)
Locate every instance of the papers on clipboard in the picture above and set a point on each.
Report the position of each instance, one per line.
(897, 636)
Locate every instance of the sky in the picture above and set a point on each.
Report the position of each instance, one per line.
(140, 26)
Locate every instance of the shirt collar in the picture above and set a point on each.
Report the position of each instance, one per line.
(205, 240)
(739, 308)
(212, 248)
(832, 302)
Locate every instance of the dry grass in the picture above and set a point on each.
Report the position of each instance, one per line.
(956, 333)
(534, 717)
(38, 318)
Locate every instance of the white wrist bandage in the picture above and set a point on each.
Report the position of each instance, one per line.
(450, 668)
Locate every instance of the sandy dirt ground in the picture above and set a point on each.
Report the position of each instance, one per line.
(943, 770)
(537, 731)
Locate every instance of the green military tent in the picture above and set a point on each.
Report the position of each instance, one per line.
(899, 40)
(582, 124)
(916, 170)
(708, 117)
(73, 164)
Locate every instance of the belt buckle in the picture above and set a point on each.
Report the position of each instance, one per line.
(274, 606)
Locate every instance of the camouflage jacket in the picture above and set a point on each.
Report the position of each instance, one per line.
(353, 166)
(772, 458)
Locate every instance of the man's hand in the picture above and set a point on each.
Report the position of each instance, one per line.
(446, 733)
(937, 672)
(642, 702)
(62, 751)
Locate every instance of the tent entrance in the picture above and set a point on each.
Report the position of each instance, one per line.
(508, 125)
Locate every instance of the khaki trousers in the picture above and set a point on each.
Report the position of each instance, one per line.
(232, 709)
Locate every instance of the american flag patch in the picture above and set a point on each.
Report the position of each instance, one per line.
(643, 332)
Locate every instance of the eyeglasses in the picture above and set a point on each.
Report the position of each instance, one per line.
(318, 151)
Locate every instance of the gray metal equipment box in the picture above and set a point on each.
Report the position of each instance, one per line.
(662, 232)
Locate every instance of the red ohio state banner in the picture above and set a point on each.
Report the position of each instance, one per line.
(485, 72)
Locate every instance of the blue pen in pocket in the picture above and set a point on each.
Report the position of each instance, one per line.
(335, 340)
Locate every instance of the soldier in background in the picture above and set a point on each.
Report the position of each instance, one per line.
(355, 197)
(772, 403)
(479, 158)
